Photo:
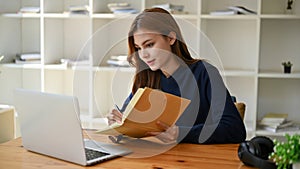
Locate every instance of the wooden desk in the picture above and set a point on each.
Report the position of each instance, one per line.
(14, 156)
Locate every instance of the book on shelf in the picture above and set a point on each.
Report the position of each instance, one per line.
(278, 127)
(78, 9)
(242, 10)
(277, 122)
(120, 63)
(75, 8)
(293, 127)
(223, 12)
(233, 10)
(144, 110)
(273, 119)
(17, 61)
(118, 60)
(170, 7)
(118, 5)
(29, 9)
(28, 58)
(125, 11)
(121, 8)
(75, 62)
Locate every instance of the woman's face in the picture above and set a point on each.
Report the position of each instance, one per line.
(154, 49)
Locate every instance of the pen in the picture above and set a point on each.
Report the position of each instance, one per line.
(117, 107)
(118, 138)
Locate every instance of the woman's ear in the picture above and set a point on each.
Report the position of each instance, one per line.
(172, 37)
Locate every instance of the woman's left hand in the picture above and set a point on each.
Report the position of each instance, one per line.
(169, 135)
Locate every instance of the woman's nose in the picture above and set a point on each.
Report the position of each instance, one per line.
(144, 53)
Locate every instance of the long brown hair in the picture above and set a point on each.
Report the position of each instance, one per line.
(161, 21)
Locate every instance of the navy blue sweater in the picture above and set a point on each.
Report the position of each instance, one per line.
(211, 116)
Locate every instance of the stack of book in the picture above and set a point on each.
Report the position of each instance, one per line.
(31, 10)
(233, 10)
(75, 62)
(277, 122)
(120, 8)
(79, 9)
(174, 9)
(223, 12)
(120, 60)
(28, 58)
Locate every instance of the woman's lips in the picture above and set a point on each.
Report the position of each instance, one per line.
(151, 62)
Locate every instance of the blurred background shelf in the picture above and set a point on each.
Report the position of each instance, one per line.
(247, 49)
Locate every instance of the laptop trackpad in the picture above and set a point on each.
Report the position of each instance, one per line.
(106, 147)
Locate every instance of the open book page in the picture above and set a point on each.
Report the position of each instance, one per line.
(144, 110)
(132, 103)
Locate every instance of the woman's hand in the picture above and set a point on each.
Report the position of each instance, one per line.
(169, 135)
(114, 116)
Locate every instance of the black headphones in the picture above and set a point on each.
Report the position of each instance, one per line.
(256, 152)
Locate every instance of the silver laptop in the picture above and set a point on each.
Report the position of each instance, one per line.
(50, 125)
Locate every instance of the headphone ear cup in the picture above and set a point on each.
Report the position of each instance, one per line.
(256, 151)
(263, 146)
(244, 153)
(253, 148)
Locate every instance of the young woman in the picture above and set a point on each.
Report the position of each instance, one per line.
(162, 61)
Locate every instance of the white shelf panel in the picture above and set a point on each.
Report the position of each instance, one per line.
(19, 15)
(47, 67)
(117, 16)
(244, 17)
(238, 73)
(185, 16)
(64, 15)
(23, 66)
(112, 69)
(279, 75)
(65, 67)
(10, 65)
(56, 67)
(111, 16)
(282, 16)
(268, 133)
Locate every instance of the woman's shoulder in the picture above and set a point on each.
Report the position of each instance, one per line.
(202, 69)
(201, 65)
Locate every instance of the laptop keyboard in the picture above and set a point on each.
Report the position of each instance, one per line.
(92, 154)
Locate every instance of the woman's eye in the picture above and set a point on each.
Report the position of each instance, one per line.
(137, 48)
(150, 44)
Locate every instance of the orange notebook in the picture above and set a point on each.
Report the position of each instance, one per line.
(146, 107)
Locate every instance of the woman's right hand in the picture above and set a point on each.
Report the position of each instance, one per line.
(114, 116)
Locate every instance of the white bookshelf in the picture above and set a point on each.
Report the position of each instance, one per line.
(248, 50)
